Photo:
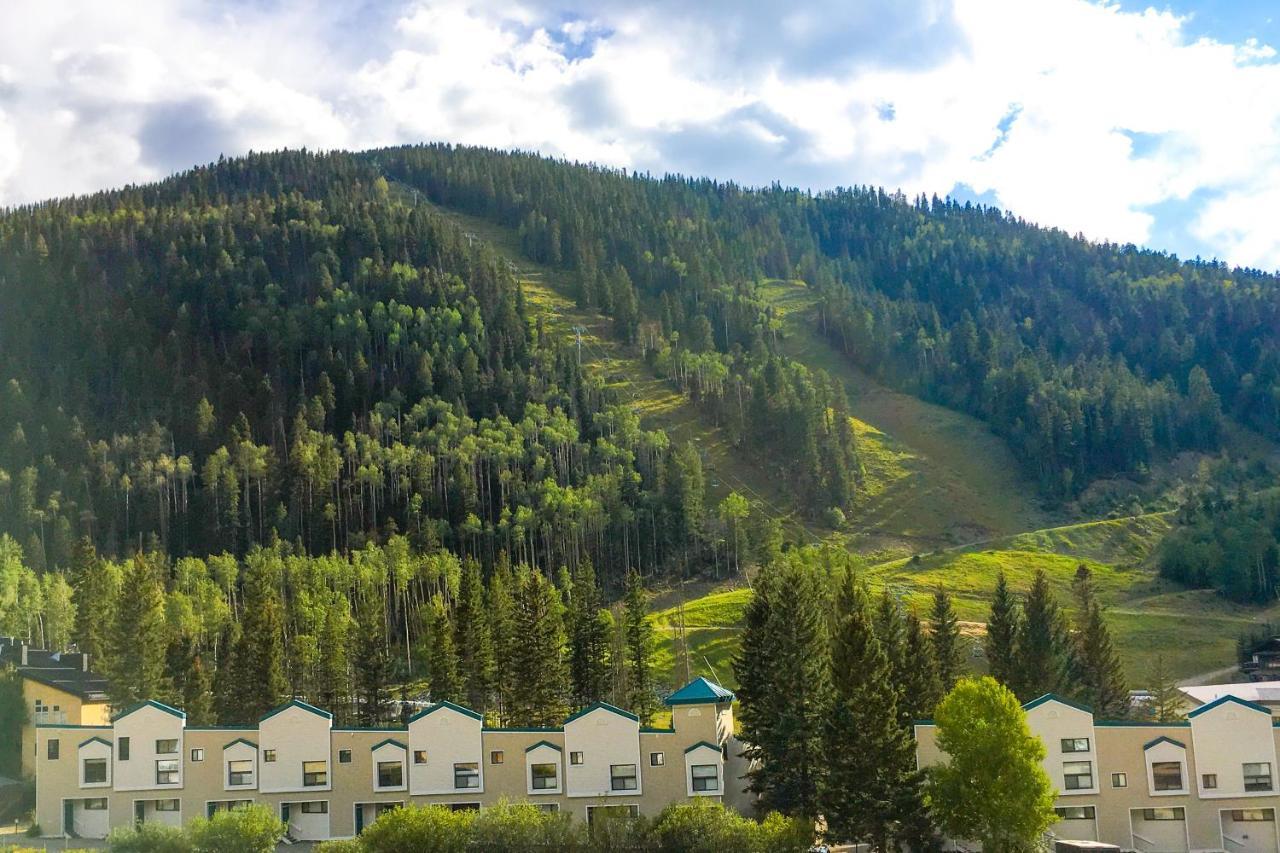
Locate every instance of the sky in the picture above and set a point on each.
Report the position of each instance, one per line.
(1121, 121)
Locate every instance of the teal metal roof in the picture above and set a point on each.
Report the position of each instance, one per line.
(701, 745)
(1163, 739)
(1222, 700)
(1052, 697)
(521, 729)
(543, 743)
(102, 741)
(296, 703)
(151, 703)
(451, 706)
(383, 743)
(700, 691)
(244, 741)
(602, 706)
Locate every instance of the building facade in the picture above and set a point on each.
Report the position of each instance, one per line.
(1208, 783)
(147, 764)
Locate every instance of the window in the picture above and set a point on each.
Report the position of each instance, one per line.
(1075, 813)
(269, 755)
(1257, 777)
(575, 758)
(1209, 781)
(344, 756)
(1075, 744)
(167, 771)
(122, 749)
(197, 755)
(466, 775)
(167, 746)
(315, 773)
(1251, 815)
(95, 804)
(53, 749)
(1077, 775)
(496, 757)
(622, 777)
(1164, 814)
(167, 805)
(1119, 780)
(549, 808)
(544, 777)
(595, 813)
(464, 807)
(656, 759)
(390, 774)
(419, 756)
(705, 778)
(316, 807)
(95, 770)
(1167, 775)
(240, 772)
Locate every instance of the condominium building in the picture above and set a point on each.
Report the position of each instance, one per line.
(327, 782)
(1207, 783)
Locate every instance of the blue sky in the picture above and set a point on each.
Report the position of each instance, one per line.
(1121, 121)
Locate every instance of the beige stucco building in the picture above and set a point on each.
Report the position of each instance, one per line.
(328, 782)
(1208, 783)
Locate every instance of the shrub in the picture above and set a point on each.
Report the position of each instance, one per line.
(707, 827)
(521, 826)
(148, 838)
(251, 829)
(419, 829)
(345, 845)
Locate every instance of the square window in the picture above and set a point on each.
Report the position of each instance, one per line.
(466, 775)
(1075, 813)
(419, 756)
(167, 771)
(1077, 775)
(1257, 777)
(240, 772)
(496, 757)
(316, 807)
(1164, 814)
(344, 756)
(167, 805)
(269, 755)
(95, 804)
(167, 746)
(1253, 815)
(656, 759)
(390, 774)
(95, 771)
(549, 808)
(1166, 776)
(623, 777)
(122, 749)
(315, 773)
(52, 748)
(705, 777)
(1209, 781)
(1119, 780)
(1075, 744)
(575, 758)
(197, 755)
(544, 777)
(464, 807)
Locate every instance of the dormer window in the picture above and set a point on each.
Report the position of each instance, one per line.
(1075, 744)
(1257, 777)
(1166, 775)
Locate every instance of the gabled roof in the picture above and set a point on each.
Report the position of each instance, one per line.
(392, 741)
(601, 706)
(239, 740)
(703, 744)
(1222, 700)
(295, 703)
(1052, 697)
(88, 686)
(451, 706)
(1163, 739)
(102, 741)
(543, 743)
(151, 703)
(700, 691)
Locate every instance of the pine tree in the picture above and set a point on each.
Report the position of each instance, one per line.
(502, 615)
(641, 696)
(1043, 643)
(373, 671)
(474, 641)
(891, 631)
(1166, 699)
(588, 639)
(539, 690)
(197, 693)
(923, 690)
(95, 591)
(138, 641)
(333, 676)
(258, 661)
(442, 658)
(944, 633)
(1002, 634)
(870, 755)
(1097, 675)
(226, 693)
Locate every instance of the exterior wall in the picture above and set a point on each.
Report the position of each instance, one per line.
(1227, 737)
(1056, 722)
(144, 727)
(71, 709)
(298, 734)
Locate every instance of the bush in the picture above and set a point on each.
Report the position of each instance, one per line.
(346, 845)
(521, 826)
(707, 827)
(35, 830)
(148, 838)
(251, 829)
(419, 829)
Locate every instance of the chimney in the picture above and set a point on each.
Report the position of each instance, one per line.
(24, 653)
(84, 661)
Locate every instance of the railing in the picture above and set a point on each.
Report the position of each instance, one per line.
(1241, 843)
(1144, 840)
(49, 717)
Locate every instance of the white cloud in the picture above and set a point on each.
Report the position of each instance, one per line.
(1071, 113)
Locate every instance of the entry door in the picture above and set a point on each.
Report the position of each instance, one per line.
(69, 817)
(140, 811)
(359, 818)
(284, 812)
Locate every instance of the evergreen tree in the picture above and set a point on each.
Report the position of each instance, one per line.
(138, 641)
(442, 658)
(258, 661)
(95, 591)
(1166, 701)
(502, 615)
(333, 677)
(1002, 634)
(197, 693)
(923, 687)
(588, 639)
(373, 670)
(891, 631)
(1044, 653)
(871, 757)
(226, 690)
(539, 690)
(474, 640)
(641, 696)
(1097, 675)
(944, 633)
